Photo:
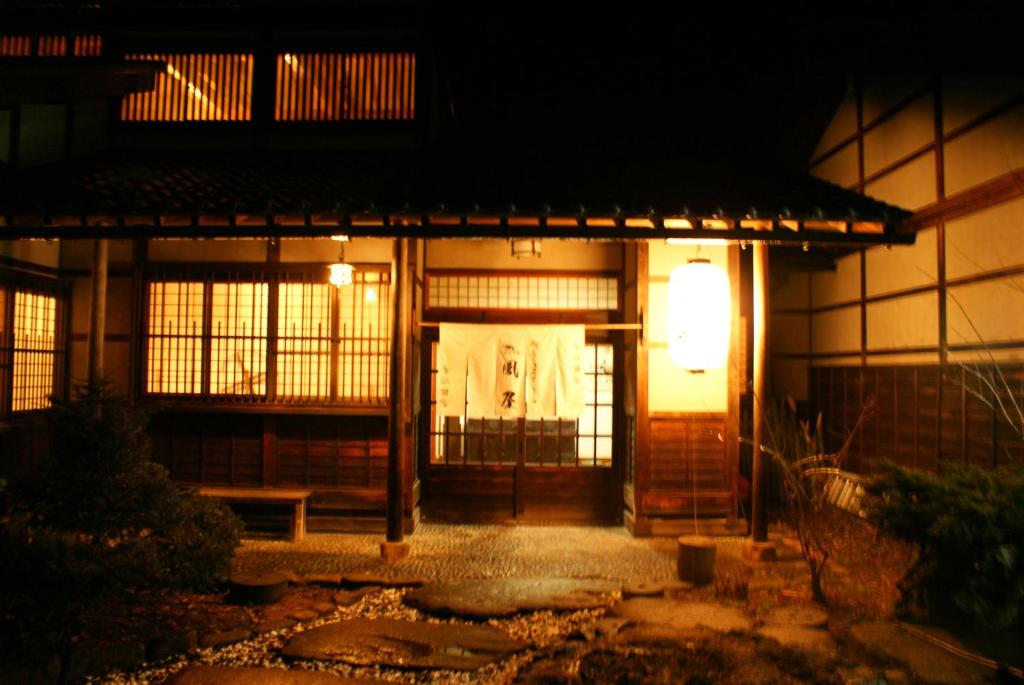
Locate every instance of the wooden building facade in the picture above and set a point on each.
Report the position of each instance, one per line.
(214, 170)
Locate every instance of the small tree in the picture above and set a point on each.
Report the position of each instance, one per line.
(795, 447)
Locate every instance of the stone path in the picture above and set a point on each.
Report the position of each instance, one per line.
(404, 644)
(544, 591)
(495, 597)
(682, 615)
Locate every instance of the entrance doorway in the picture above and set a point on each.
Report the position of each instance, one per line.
(475, 469)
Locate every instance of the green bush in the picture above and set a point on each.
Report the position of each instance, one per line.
(968, 526)
(102, 488)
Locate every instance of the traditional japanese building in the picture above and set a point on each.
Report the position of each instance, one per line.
(169, 198)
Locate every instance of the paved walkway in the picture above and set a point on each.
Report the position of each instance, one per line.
(445, 552)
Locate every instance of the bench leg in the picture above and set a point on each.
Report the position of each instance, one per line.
(299, 522)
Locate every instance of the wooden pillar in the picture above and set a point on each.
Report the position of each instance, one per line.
(735, 385)
(397, 391)
(97, 320)
(758, 522)
(642, 454)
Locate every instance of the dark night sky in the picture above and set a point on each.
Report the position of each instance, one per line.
(706, 87)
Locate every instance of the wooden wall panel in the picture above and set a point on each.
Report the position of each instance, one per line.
(468, 494)
(968, 96)
(569, 494)
(688, 459)
(910, 428)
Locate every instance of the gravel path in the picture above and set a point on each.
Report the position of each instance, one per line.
(444, 552)
(448, 552)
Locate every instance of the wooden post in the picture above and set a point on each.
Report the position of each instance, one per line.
(394, 548)
(735, 386)
(758, 522)
(97, 320)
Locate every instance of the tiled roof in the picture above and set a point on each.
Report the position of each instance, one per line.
(410, 183)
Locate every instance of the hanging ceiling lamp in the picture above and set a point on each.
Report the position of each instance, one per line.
(699, 313)
(340, 272)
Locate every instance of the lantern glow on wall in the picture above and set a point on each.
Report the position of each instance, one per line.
(699, 314)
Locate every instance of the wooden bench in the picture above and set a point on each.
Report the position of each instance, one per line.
(263, 495)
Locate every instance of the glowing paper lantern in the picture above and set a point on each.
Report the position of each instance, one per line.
(699, 313)
(341, 274)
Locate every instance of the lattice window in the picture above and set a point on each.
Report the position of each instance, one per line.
(518, 292)
(50, 46)
(194, 87)
(15, 46)
(364, 327)
(304, 341)
(35, 348)
(174, 347)
(88, 46)
(547, 442)
(325, 344)
(345, 86)
(238, 339)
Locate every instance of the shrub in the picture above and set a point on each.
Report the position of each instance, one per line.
(102, 487)
(967, 524)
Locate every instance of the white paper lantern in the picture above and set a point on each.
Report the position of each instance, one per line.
(699, 313)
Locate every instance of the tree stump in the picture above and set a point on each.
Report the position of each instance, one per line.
(696, 560)
(252, 588)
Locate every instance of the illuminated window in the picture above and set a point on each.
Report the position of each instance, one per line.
(364, 324)
(304, 340)
(50, 46)
(15, 46)
(345, 86)
(238, 339)
(88, 46)
(217, 339)
(194, 87)
(174, 347)
(31, 352)
(585, 442)
(516, 291)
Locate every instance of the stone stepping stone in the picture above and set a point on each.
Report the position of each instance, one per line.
(327, 579)
(631, 590)
(274, 624)
(360, 579)
(804, 617)
(497, 597)
(224, 637)
(801, 637)
(931, 664)
(202, 674)
(682, 615)
(257, 588)
(345, 598)
(403, 644)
